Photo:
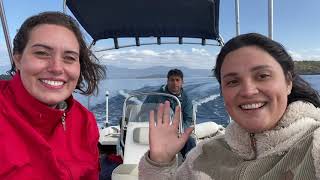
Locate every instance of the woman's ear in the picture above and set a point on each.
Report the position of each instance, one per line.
(289, 82)
(289, 87)
(17, 61)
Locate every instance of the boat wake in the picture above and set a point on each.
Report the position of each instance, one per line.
(197, 103)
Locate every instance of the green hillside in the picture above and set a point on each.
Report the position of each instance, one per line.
(302, 67)
(307, 67)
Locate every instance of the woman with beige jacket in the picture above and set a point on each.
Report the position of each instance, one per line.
(275, 133)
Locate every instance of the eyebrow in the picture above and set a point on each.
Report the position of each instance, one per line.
(260, 67)
(50, 48)
(43, 46)
(256, 68)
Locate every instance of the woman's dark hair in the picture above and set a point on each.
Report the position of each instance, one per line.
(301, 90)
(91, 72)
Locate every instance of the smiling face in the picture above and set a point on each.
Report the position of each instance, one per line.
(49, 65)
(254, 88)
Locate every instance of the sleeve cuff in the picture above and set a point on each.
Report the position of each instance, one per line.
(157, 164)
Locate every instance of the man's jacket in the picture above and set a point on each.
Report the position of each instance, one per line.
(186, 104)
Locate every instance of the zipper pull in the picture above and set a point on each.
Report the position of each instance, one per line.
(253, 144)
(63, 121)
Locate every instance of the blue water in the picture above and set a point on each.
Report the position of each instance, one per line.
(203, 91)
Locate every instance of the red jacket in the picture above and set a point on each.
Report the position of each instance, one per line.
(34, 144)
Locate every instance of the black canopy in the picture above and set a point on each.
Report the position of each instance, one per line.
(104, 19)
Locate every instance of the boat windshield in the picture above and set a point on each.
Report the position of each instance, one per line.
(138, 107)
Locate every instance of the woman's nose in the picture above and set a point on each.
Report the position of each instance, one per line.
(56, 65)
(248, 89)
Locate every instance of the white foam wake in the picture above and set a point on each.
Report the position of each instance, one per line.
(126, 95)
(203, 100)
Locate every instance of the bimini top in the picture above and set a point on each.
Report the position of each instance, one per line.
(104, 19)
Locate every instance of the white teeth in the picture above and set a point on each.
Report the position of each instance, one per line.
(53, 83)
(252, 106)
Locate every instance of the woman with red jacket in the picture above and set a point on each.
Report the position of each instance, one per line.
(45, 133)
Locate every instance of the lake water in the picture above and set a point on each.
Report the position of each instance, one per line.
(203, 91)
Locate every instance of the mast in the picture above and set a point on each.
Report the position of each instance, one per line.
(237, 11)
(270, 18)
(64, 7)
(5, 31)
(107, 109)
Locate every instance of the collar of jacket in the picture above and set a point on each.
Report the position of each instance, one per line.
(164, 88)
(297, 120)
(40, 116)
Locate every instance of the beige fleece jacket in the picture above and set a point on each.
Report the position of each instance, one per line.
(289, 151)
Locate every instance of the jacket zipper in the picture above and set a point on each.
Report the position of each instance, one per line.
(253, 144)
(63, 121)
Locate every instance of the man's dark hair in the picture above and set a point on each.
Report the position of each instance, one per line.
(175, 72)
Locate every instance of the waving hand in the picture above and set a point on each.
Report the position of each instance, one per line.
(164, 138)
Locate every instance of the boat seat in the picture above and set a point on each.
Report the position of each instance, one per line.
(141, 135)
(125, 171)
(207, 129)
(136, 143)
(109, 135)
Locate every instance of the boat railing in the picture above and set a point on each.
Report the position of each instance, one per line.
(134, 127)
(140, 98)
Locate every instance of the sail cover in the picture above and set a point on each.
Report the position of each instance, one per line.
(104, 19)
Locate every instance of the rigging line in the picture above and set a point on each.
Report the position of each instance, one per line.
(5, 31)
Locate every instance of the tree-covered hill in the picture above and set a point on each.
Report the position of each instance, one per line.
(302, 67)
(307, 67)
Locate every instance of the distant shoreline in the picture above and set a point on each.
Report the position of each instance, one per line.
(307, 67)
(318, 73)
(7, 77)
(301, 67)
